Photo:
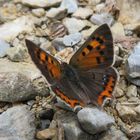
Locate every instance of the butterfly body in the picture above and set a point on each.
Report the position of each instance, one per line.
(89, 78)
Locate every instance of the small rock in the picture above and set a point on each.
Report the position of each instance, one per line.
(65, 54)
(113, 134)
(17, 123)
(118, 29)
(83, 15)
(38, 12)
(100, 7)
(118, 92)
(10, 30)
(57, 13)
(72, 39)
(41, 3)
(17, 53)
(58, 44)
(70, 5)
(44, 124)
(47, 46)
(57, 30)
(137, 109)
(132, 66)
(46, 114)
(74, 25)
(9, 12)
(100, 19)
(126, 113)
(118, 61)
(3, 48)
(46, 134)
(131, 91)
(31, 103)
(71, 126)
(94, 121)
(94, 2)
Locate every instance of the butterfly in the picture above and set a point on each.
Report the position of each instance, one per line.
(89, 78)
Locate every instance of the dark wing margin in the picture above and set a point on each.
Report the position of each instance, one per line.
(96, 52)
(46, 63)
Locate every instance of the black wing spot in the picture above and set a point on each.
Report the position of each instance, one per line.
(98, 48)
(98, 60)
(101, 52)
(52, 61)
(89, 47)
(83, 53)
(99, 40)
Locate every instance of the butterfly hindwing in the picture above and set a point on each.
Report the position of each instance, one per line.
(48, 65)
(100, 84)
(96, 52)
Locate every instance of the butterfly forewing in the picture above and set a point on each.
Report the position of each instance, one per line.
(96, 52)
(48, 65)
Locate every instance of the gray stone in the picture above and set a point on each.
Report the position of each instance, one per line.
(72, 39)
(100, 19)
(3, 48)
(126, 113)
(118, 92)
(17, 53)
(94, 121)
(20, 82)
(10, 30)
(17, 123)
(57, 13)
(132, 66)
(113, 134)
(41, 3)
(74, 25)
(118, 29)
(70, 5)
(82, 13)
(131, 91)
(39, 12)
(58, 44)
(137, 109)
(71, 126)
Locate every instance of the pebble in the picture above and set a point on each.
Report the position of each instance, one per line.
(118, 29)
(4, 46)
(71, 126)
(100, 19)
(39, 12)
(70, 5)
(17, 53)
(46, 114)
(46, 134)
(72, 39)
(10, 30)
(137, 109)
(41, 3)
(73, 22)
(57, 13)
(131, 91)
(94, 121)
(16, 123)
(126, 113)
(83, 15)
(132, 66)
(118, 92)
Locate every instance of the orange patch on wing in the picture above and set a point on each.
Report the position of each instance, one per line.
(43, 56)
(94, 43)
(106, 93)
(72, 103)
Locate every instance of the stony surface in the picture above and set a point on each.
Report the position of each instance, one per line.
(17, 123)
(61, 27)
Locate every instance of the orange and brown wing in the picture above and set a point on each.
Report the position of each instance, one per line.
(48, 65)
(96, 52)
